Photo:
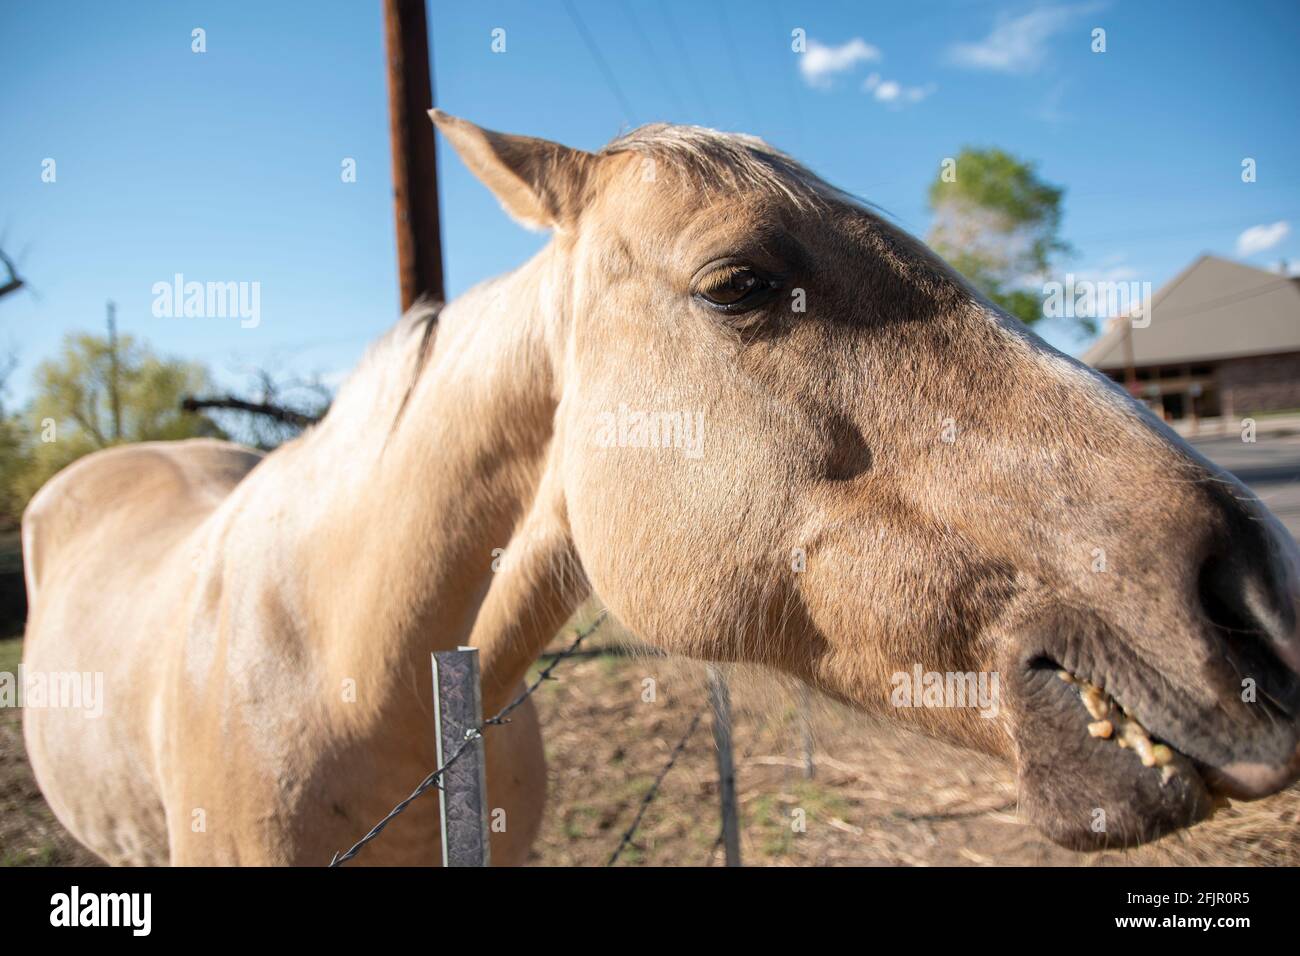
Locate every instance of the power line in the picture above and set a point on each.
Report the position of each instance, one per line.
(1226, 300)
(737, 71)
(1149, 308)
(693, 80)
(1120, 236)
(594, 50)
(790, 84)
(653, 57)
(1145, 190)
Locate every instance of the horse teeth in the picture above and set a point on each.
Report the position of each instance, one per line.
(1101, 728)
(1131, 736)
(1066, 676)
(1143, 748)
(1140, 741)
(1095, 700)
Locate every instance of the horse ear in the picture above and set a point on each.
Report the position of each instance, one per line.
(540, 183)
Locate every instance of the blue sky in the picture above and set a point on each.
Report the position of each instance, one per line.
(225, 165)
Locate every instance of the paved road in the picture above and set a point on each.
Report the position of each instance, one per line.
(1271, 466)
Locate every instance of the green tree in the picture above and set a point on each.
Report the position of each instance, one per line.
(92, 396)
(15, 462)
(14, 455)
(998, 224)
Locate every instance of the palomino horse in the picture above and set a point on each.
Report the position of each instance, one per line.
(763, 425)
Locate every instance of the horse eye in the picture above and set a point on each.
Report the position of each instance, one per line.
(733, 288)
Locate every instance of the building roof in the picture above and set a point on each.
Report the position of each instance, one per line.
(1213, 309)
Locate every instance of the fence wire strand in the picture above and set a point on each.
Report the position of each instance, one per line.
(654, 788)
(501, 717)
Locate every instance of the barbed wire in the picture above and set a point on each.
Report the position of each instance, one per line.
(654, 788)
(429, 782)
(501, 717)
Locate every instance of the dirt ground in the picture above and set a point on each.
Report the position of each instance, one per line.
(877, 795)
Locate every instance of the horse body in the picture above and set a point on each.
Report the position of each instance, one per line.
(128, 510)
(259, 710)
(882, 473)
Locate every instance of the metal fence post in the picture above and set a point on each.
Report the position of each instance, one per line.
(805, 730)
(458, 715)
(720, 702)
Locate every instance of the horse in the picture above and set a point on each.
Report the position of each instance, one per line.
(756, 420)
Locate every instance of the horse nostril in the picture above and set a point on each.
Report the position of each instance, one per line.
(1249, 602)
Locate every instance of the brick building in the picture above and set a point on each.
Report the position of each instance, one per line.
(1224, 339)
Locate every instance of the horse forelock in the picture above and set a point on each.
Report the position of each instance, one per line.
(718, 161)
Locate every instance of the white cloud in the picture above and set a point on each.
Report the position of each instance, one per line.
(894, 94)
(1258, 238)
(1016, 44)
(886, 90)
(819, 63)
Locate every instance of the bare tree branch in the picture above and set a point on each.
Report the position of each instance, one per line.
(14, 282)
(286, 415)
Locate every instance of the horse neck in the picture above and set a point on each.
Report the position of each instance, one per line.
(398, 549)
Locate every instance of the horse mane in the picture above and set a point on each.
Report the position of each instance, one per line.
(424, 317)
(721, 162)
(372, 390)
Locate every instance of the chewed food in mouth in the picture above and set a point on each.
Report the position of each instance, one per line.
(1111, 722)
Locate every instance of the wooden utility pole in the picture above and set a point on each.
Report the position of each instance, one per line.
(114, 392)
(415, 166)
(1130, 373)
